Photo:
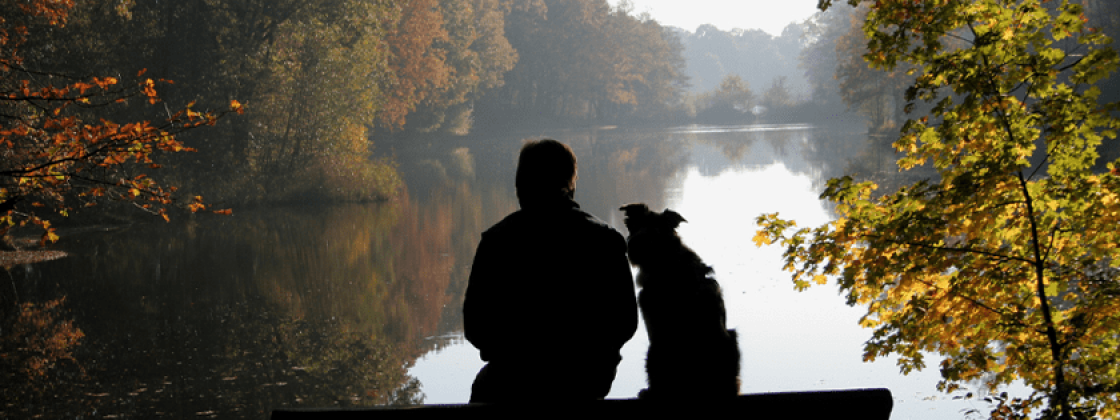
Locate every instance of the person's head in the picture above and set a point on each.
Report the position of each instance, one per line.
(546, 171)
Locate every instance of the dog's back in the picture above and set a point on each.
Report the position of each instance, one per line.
(692, 353)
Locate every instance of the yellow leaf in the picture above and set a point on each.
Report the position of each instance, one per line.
(761, 238)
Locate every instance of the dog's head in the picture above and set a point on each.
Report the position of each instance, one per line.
(651, 233)
(639, 217)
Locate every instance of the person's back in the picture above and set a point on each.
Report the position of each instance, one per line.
(550, 301)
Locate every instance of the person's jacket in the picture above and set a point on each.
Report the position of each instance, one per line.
(551, 284)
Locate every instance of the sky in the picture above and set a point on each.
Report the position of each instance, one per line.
(769, 15)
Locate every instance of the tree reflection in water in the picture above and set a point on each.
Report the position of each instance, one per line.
(235, 316)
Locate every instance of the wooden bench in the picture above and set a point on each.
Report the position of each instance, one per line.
(870, 404)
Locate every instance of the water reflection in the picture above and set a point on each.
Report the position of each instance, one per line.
(235, 316)
(361, 304)
(720, 180)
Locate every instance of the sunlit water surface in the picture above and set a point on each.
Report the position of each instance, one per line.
(790, 341)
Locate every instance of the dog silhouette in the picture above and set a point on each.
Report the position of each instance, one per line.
(691, 351)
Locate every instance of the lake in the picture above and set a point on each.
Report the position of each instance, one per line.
(351, 305)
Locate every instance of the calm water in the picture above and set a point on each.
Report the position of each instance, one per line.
(229, 317)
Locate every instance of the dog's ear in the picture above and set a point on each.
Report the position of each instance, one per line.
(635, 209)
(636, 216)
(671, 219)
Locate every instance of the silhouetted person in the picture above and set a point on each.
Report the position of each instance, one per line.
(550, 300)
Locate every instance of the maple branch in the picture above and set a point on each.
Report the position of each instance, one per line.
(25, 70)
(21, 173)
(1100, 389)
(93, 180)
(1045, 162)
(952, 249)
(1050, 246)
(978, 303)
(146, 209)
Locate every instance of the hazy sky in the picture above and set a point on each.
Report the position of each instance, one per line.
(768, 15)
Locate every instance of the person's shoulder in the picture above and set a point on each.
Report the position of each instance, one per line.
(596, 224)
(590, 219)
(575, 219)
(511, 223)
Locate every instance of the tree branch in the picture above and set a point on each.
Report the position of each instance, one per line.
(953, 249)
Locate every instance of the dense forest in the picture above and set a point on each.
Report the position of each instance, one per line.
(318, 85)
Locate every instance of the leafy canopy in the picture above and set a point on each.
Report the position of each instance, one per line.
(58, 147)
(1004, 262)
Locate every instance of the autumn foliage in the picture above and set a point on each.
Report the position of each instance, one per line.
(587, 60)
(324, 80)
(418, 69)
(1006, 262)
(60, 148)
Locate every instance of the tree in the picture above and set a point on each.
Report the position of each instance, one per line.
(777, 96)
(313, 75)
(752, 53)
(819, 57)
(419, 70)
(54, 158)
(591, 69)
(876, 92)
(478, 56)
(1006, 263)
(728, 103)
(309, 129)
(649, 72)
(584, 60)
